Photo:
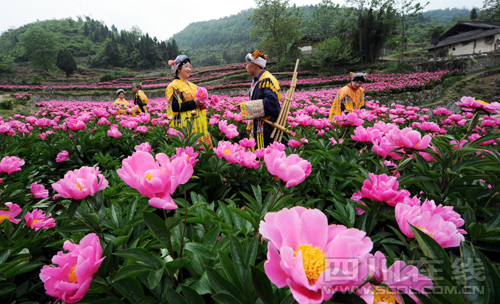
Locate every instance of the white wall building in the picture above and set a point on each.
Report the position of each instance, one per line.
(465, 38)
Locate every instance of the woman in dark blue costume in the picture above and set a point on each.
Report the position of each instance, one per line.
(265, 87)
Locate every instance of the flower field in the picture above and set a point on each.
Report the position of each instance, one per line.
(379, 84)
(389, 205)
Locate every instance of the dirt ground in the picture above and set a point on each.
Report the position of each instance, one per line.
(484, 88)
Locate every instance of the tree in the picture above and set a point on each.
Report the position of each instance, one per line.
(473, 14)
(6, 64)
(277, 24)
(406, 9)
(333, 52)
(40, 45)
(174, 49)
(66, 62)
(375, 24)
(490, 11)
(324, 16)
(112, 53)
(435, 33)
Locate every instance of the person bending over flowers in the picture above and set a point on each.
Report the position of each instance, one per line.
(182, 105)
(350, 97)
(141, 100)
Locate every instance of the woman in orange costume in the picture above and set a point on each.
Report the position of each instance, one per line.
(350, 97)
(182, 105)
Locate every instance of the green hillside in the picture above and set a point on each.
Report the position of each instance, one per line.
(222, 41)
(227, 40)
(102, 46)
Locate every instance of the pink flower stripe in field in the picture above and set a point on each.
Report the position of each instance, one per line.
(378, 82)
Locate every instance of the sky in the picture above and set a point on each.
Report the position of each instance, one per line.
(160, 18)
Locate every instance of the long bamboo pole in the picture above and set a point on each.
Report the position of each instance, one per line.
(283, 117)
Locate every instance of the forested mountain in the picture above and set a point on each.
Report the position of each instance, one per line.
(447, 14)
(217, 41)
(221, 41)
(227, 40)
(90, 38)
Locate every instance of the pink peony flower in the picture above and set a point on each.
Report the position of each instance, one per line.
(350, 119)
(11, 164)
(304, 120)
(39, 191)
(383, 188)
(292, 169)
(62, 156)
(446, 212)
(408, 138)
(156, 180)
(366, 135)
(10, 215)
(70, 280)
(145, 146)
(103, 121)
(131, 124)
(398, 277)
(471, 104)
(248, 159)
(80, 183)
(37, 220)
(445, 233)
(442, 111)
(384, 147)
(201, 94)
(429, 126)
(113, 132)
(276, 146)
(100, 112)
(141, 129)
(300, 241)
(357, 196)
(227, 150)
(247, 143)
(188, 154)
(175, 132)
(75, 124)
(260, 153)
(230, 131)
(294, 143)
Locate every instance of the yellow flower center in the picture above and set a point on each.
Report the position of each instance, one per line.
(79, 186)
(313, 259)
(72, 275)
(227, 152)
(34, 222)
(423, 229)
(383, 295)
(187, 158)
(3, 217)
(482, 102)
(149, 176)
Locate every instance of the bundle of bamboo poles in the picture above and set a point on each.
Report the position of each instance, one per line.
(280, 124)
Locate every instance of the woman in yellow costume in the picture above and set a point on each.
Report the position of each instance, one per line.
(121, 105)
(350, 97)
(182, 105)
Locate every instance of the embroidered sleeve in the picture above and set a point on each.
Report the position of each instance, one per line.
(270, 98)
